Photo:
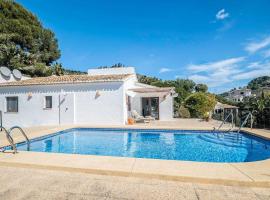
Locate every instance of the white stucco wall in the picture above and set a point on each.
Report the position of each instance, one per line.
(31, 111)
(79, 105)
(128, 84)
(106, 109)
(166, 108)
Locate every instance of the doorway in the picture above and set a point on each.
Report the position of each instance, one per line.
(150, 107)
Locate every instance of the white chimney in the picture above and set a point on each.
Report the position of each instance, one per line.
(111, 71)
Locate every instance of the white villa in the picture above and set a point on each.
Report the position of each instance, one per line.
(102, 97)
(238, 95)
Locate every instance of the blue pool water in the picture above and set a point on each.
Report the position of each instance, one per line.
(203, 146)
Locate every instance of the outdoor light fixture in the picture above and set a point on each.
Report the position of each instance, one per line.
(29, 95)
(97, 94)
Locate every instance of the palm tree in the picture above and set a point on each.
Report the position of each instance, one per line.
(260, 105)
(58, 69)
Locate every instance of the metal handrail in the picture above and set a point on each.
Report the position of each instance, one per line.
(223, 122)
(245, 121)
(10, 139)
(22, 131)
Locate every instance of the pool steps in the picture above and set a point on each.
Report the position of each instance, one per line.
(11, 140)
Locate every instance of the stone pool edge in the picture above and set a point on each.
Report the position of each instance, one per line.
(234, 174)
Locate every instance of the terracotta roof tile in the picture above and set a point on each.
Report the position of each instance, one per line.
(66, 79)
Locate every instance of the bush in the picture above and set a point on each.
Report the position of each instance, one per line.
(183, 112)
(200, 103)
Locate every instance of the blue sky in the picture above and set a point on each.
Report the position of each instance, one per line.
(221, 43)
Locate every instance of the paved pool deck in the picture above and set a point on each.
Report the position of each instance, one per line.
(252, 174)
(42, 184)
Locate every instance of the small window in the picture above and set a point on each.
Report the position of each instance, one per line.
(48, 102)
(12, 104)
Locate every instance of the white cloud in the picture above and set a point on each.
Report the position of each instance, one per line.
(211, 80)
(254, 70)
(253, 47)
(163, 70)
(216, 73)
(266, 53)
(199, 78)
(259, 65)
(228, 63)
(222, 14)
(253, 65)
(252, 74)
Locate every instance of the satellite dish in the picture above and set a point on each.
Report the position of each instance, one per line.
(17, 74)
(5, 71)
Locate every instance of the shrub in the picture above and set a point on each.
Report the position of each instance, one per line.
(183, 112)
(200, 103)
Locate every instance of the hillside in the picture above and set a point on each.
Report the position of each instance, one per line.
(263, 81)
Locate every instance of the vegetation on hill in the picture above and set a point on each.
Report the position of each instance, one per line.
(263, 81)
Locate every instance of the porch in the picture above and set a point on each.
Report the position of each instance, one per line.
(151, 101)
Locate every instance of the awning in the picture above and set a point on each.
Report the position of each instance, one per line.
(130, 93)
(151, 90)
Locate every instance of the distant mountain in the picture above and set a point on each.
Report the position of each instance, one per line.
(263, 81)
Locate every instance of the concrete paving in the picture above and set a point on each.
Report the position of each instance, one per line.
(31, 184)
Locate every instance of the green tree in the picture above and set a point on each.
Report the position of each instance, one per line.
(201, 88)
(200, 103)
(24, 42)
(39, 70)
(58, 69)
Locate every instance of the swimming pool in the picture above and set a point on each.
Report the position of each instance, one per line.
(203, 146)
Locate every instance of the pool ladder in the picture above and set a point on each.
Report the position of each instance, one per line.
(250, 115)
(224, 121)
(11, 140)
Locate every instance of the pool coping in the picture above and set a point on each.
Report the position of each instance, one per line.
(255, 174)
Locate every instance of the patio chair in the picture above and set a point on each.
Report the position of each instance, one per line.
(138, 118)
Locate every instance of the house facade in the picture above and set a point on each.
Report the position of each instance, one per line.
(238, 95)
(102, 97)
